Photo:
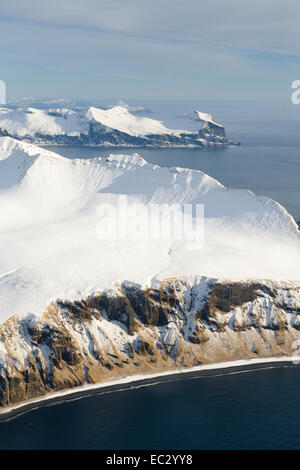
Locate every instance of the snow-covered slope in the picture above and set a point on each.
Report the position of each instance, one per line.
(121, 119)
(31, 122)
(207, 118)
(49, 227)
(115, 126)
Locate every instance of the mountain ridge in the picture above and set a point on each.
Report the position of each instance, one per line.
(112, 127)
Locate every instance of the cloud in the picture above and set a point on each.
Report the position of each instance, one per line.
(175, 44)
(261, 25)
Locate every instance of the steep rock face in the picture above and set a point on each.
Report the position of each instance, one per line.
(214, 129)
(96, 135)
(208, 136)
(181, 323)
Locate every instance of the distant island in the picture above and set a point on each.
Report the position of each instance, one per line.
(114, 127)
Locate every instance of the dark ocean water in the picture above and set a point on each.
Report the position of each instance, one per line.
(253, 410)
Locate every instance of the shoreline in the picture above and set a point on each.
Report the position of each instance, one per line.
(134, 381)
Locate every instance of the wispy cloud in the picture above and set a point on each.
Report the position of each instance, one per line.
(189, 43)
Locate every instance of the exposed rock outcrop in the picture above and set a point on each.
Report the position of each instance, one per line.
(204, 137)
(129, 330)
(4, 133)
(96, 135)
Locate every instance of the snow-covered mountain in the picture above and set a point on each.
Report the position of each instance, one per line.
(79, 309)
(106, 127)
(49, 227)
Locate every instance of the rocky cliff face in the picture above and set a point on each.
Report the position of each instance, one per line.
(214, 129)
(113, 138)
(129, 330)
(208, 136)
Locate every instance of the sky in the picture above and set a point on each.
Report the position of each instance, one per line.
(139, 50)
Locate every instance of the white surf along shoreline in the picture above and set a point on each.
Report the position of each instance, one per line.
(131, 379)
